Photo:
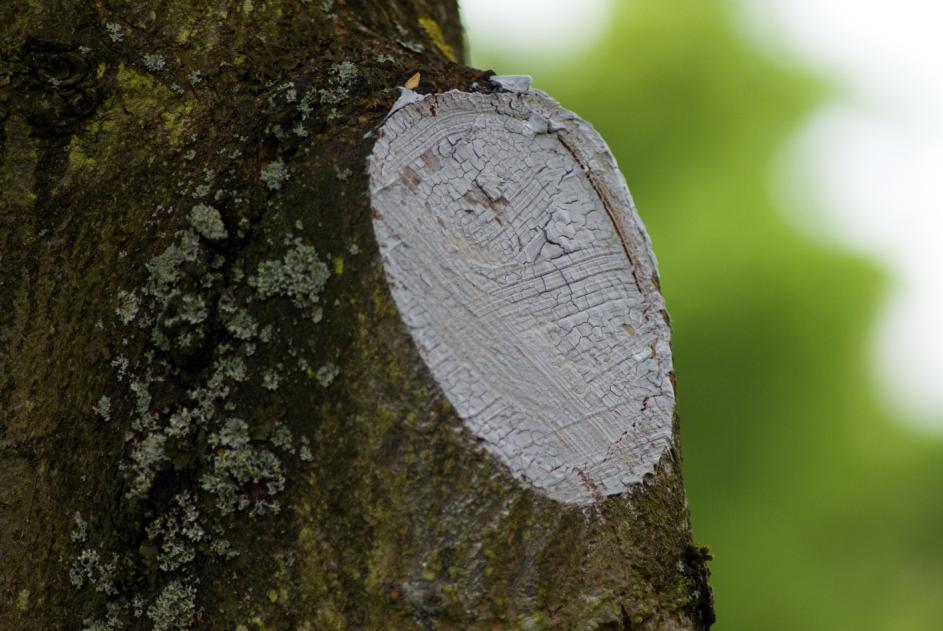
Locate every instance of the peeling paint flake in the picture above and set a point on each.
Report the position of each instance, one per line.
(512, 82)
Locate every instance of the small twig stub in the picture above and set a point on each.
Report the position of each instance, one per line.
(523, 272)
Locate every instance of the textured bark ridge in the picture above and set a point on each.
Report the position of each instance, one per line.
(526, 278)
(213, 415)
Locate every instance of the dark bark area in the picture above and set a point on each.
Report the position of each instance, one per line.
(211, 415)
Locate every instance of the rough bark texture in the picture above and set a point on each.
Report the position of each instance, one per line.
(211, 413)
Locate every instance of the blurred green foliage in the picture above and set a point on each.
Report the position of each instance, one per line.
(821, 510)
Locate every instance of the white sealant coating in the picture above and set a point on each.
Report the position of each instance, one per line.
(512, 82)
(520, 266)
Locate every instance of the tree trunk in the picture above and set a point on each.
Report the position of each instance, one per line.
(212, 413)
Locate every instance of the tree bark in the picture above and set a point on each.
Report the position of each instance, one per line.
(212, 415)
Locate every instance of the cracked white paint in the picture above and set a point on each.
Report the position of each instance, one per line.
(522, 270)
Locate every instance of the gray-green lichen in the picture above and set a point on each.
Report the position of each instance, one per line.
(191, 310)
(346, 72)
(341, 79)
(153, 61)
(166, 269)
(80, 530)
(112, 621)
(183, 299)
(239, 323)
(192, 313)
(146, 456)
(300, 275)
(239, 464)
(326, 374)
(201, 190)
(177, 532)
(103, 408)
(115, 32)
(174, 608)
(338, 90)
(128, 306)
(304, 452)
(274, 174)
(222, 548)
(121, 363)
(282, 439)
(229, 367)
(89, 568)
(207, 221)
(270, 380)
(179, 310)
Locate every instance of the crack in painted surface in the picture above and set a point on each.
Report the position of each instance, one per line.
(520, 266)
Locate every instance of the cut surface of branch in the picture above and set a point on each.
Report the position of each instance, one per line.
(520, 266)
